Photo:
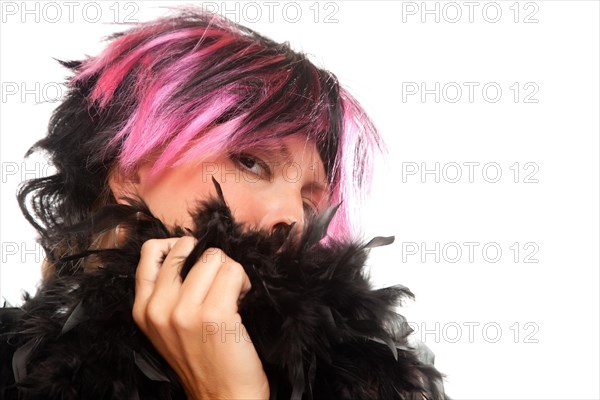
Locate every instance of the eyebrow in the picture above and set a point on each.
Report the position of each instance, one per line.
(284, 152)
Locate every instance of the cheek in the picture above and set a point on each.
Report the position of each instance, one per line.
(173, 195)
(170, 206)
(245, 201)
(176, 191)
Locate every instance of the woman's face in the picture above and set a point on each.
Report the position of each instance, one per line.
(262, 188)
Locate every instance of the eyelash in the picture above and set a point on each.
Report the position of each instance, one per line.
(309, 206)
(239, 158)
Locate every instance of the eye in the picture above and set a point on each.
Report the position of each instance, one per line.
(252, 164)
(310, 209)
(314, 197)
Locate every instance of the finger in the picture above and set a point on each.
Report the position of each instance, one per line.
(152, 254)
(197, 283)
(168, 282)
(230, 283)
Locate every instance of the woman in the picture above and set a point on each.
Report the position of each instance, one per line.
(173, 112)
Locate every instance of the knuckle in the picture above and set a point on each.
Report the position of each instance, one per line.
(156, 316)
(234, 273)
(149, 244)
(138, 314)
(186, 240)
(214, 253)
(233, 269)
(181, 320)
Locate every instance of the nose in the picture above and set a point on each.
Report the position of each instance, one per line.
(283, 213)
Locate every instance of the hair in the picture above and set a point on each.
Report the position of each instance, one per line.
(183, 87)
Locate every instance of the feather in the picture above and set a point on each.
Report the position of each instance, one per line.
(317, 324)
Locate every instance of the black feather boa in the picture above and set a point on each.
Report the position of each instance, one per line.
(320, 329)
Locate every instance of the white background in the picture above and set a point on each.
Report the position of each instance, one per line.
(534, 325)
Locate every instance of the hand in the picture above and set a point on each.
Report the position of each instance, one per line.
(195, 324)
